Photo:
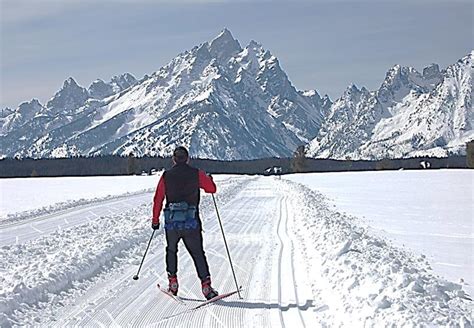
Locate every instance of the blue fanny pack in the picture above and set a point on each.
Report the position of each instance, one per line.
(180, 216)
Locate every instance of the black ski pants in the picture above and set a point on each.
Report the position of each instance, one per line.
(193, 242)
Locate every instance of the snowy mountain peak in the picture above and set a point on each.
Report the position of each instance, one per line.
(224, 46)
(351, 92)
(70, 82)
(431, 71)
(400, 81)
(5, 112)
(397, 76)
(469, 58)
(30, 108)
(254, 45)
(10, 120)
(122, 82)
(412, 114)
(69, 98)
(99, 89)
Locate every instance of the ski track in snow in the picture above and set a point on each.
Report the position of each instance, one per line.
(300, 263)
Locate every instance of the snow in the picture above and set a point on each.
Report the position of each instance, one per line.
(147, 116)
(430, 212)
(301, 262)
(409, 115)
(27, 194)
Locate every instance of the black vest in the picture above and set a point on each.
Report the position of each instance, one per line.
(182, 184)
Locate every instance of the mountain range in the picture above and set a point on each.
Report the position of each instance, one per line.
(227, 102)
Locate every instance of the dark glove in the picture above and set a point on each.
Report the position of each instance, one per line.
(155, 226)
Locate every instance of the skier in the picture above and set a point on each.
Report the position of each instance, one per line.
(180, 185)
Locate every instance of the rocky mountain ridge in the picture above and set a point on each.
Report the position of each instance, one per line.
(228, 102)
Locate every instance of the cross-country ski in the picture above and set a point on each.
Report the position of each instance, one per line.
(170, 295)
(216, 298)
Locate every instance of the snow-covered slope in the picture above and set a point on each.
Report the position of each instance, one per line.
(31, 123)
(222, 100)
(411, 114)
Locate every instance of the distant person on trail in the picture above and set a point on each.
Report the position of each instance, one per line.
(180, 185)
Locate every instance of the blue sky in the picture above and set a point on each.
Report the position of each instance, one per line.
(322, 45)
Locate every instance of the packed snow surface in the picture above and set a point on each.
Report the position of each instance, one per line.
(26, 194)
(300, 261)
(430, 212)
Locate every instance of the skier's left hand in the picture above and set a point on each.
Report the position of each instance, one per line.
(155, 226)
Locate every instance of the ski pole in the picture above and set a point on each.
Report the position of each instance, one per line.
(135, 277)
(226, 247)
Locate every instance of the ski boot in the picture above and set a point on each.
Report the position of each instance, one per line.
(173, 284)
(207, 290)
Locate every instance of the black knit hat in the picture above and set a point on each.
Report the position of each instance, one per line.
(180, 154)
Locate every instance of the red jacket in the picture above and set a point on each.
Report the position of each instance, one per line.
(205, 182)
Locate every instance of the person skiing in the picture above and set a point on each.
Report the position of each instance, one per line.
(181, 187)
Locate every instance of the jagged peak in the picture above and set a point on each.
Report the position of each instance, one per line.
(96, 82)
(254, 44)
(469, 58)
(29, 108)
(352, 92)
(352, 88)
(400, 75)
(225, 34)
(224, 46)
(431, 71)
(70, 82)
(33, 101)
(125, 76)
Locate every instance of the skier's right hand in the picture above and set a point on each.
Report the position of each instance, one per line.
(155, 226)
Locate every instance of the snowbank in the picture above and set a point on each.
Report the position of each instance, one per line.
(429, 211)
(366, 280)
(50, 265)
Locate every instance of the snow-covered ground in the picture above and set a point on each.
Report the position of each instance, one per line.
(27, 195)
(301, 262)
(431, 212)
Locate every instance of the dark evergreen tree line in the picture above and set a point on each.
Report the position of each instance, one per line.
(120, 165)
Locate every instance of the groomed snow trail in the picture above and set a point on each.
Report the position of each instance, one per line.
(256, 226)
(28, 229)
(300, 263)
